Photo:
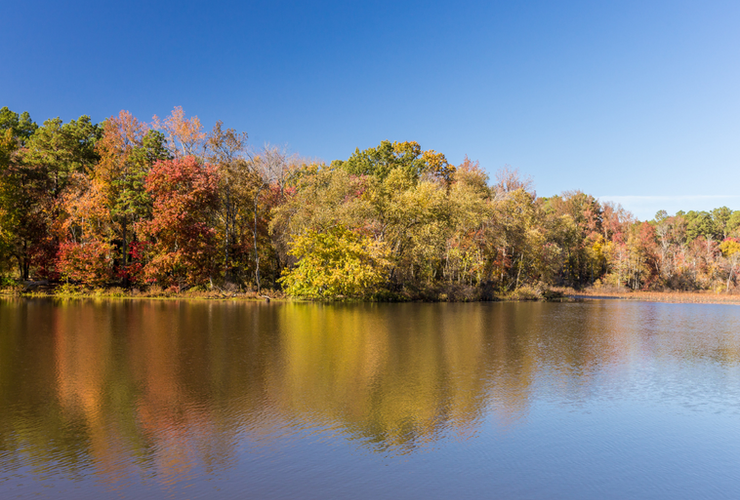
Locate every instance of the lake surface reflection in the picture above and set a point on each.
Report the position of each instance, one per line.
(151, 399)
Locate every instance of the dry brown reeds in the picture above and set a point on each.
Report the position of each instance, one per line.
(697, 297)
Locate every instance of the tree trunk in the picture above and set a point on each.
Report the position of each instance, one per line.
(727, 288)
(125, 254)
(256, 253)
(518, 274)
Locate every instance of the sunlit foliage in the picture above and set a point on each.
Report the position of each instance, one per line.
(129, 203)
(336, 262)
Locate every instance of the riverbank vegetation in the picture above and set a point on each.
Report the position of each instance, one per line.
(168, 207)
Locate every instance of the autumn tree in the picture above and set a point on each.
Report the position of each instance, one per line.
(731, 251)
(127, 149)
(515, 235)
(46, 159)
(126, 202)
(467, 247)
(319, 197)
(386, 157)
(184, 195)
(271, 169)
(228, 153)
(185, 136)
(336, 263)
(583, 241)
(60, 153)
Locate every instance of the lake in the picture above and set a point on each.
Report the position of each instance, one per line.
(177, 399)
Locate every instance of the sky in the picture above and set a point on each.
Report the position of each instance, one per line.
(633, 101)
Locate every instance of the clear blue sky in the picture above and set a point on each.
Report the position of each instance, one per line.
(630, 99)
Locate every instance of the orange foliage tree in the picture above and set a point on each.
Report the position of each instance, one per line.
(185, 136)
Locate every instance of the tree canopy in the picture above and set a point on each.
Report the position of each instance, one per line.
(166, 203)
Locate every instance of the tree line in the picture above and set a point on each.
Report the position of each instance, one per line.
(133, 204)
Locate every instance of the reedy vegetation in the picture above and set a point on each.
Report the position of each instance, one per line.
(126, 203)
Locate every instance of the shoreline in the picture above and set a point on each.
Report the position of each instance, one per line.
(138, 295)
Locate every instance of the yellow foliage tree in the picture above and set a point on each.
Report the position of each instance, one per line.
(336, 263)
(731, 250)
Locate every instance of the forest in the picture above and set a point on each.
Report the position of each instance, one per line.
(168, 205)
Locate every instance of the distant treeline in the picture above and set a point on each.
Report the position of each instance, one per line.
(132, 204)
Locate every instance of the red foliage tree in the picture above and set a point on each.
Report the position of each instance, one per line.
(88, 263)
(184, 193)
(647, 247)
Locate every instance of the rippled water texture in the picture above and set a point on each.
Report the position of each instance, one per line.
(152, 399)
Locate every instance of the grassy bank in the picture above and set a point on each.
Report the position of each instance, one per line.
(76, 292)
(454, 293)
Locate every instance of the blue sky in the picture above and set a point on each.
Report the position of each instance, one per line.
(635, 101)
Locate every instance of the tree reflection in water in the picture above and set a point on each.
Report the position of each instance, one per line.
(168, 388)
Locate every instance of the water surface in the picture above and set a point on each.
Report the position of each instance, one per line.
(152, 399)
